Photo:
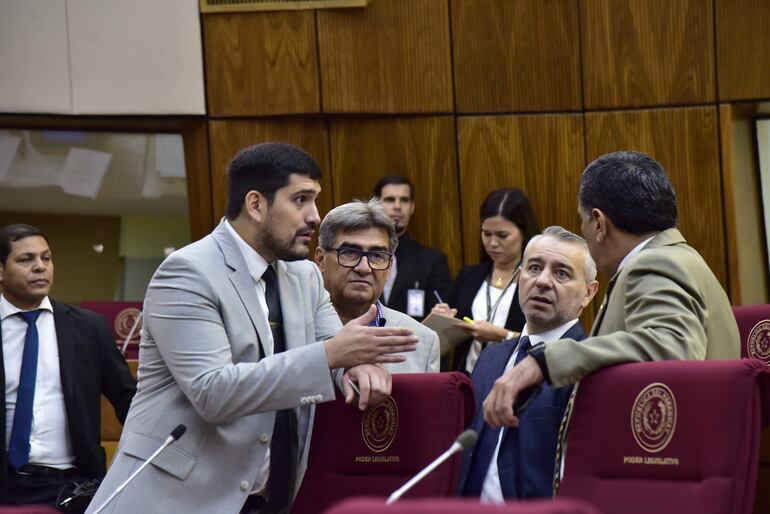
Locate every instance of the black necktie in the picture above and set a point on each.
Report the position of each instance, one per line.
(487, 442)
(18, 449)
(283, 447)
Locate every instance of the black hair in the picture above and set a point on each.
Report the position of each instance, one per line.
(265, 168)
(512, 204)
(11, 233)
(393, 180)
(632, 189)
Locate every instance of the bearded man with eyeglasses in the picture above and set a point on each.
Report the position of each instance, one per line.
(355, 250)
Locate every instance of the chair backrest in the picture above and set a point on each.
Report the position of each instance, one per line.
(754, 326)
(27, 509)
(460, 506)
(372, 453)
(121, 317)
(668, 437)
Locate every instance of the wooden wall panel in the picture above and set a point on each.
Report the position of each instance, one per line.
(392, 56)
(729, 196)
(261, 63)
(684, 142)
(743, 48)
(647, 52)
(516, 56)
(227, 137)
(541, 155)
(196, 158)
(422, 149)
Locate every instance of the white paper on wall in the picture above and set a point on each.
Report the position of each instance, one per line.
(169, 155)
(83, 172)
(8, 147)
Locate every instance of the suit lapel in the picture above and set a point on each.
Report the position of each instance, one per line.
(291, 298)
(66, 336)
(603, 307)
(243, 284)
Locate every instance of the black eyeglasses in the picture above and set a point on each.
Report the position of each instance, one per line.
(350, 257)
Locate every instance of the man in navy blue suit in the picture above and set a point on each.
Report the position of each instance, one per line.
(556, 283)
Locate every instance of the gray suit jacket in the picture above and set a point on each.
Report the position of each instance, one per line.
(426, 357)
(664, 304)
(199, 364)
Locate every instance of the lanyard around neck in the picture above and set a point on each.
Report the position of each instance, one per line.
(492, 309)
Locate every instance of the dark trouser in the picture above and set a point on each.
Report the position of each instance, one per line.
(39, 484)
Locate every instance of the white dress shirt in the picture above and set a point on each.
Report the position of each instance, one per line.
(636, 249)
(491, 492)
(479, 311)
(50, 443)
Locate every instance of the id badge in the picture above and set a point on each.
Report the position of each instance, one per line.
(415, 302)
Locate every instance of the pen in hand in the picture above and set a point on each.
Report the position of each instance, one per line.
(355, 388)
(438, 298)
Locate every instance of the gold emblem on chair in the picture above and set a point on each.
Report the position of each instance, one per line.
(124, 321)
(379, 425)
(758, 342)
(653, 417)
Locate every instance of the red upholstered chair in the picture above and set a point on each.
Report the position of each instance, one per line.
(372, 453)
(121, 317)
(459, 506)
(668, 437)
(27, 509)
(754, 325)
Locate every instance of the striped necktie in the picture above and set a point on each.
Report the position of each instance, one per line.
(561, 443)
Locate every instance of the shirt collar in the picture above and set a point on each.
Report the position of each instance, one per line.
(548, 335)
(255, 263)
(8, 309)
(379, 318)
(636, 249)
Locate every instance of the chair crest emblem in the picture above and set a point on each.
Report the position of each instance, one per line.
(653, 417)
(758, 342)
(379, 425)
(124, 320)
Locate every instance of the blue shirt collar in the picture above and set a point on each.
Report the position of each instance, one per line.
(379, 318)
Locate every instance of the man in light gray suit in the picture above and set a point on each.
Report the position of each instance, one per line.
(238, 344)
(356, 245)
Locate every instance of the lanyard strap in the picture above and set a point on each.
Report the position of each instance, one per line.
(492, 309)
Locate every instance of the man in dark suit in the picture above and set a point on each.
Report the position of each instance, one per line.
(416, 271)
(57, 361)
(557, 282)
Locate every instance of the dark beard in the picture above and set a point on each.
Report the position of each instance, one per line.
(286, 250)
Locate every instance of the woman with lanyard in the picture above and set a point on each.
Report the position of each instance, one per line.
(485, 295)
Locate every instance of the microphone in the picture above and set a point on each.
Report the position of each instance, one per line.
(130, 333)
(463, 442)
(173, 436)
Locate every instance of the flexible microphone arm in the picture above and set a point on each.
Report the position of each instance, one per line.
(463, 441)
(131, 334)
(173, 436)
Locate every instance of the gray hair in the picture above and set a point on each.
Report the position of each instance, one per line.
(562, 234)
(356, 215)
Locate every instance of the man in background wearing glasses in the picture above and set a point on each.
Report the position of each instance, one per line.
(355, 250)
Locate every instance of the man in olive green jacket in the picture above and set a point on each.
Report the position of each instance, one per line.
(662, 302)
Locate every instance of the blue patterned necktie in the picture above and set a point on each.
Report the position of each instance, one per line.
(485, 447)
(18, 449)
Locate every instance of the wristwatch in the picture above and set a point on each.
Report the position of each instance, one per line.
(537, 352)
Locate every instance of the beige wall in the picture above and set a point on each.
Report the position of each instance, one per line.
(749, 237)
